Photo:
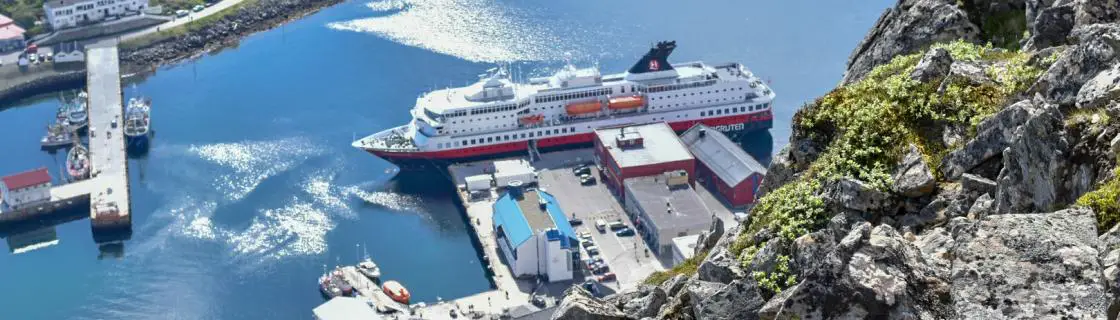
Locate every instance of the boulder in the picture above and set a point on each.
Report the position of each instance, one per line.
(936, 244)
(977, 184)
(780, 172)
(708, 240)
(910, 26)
(1096, 50)
(871, 273)
(766, 259)
(673, 285)
(697, 291)
(969, 73)
(1050, 26)
(1027, 266)
(935, 64)
(640, 301)
(951, 202)
(912, 177)
(578, 304)
(739, 300)
(1104, 87)
(1034, 164)
(992, 136)
(1096, 11)
(720, 266)
(982, 207)
(857, 195)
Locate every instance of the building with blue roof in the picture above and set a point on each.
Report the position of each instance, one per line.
(534, 234)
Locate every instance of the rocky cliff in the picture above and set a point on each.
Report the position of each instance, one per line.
(965, 168)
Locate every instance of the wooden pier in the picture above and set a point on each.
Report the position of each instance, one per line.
(107, 190)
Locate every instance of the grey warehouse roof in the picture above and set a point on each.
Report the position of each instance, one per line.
(724, 157)
(656, 198)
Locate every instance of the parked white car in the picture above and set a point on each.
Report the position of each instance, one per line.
(182, 13)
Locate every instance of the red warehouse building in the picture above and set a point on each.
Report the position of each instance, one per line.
(638, 151)
(724, 165)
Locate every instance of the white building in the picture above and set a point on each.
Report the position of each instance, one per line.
(69, 52)
(506, 171)
(26, 188)
(63, 14)
(665, 207)
(684, 248)
(535, 235)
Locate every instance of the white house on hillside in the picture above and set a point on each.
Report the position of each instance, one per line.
(63, 14)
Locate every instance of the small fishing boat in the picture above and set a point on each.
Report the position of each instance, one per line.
(327, 287)
(369, 269)
(137, 122)
(396, 291)
(77, 117)
(57, 136)
(77, 162)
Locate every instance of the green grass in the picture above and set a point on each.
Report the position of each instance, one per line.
(867, 126)
(687, 268)
(1104, 203)
(169, 6)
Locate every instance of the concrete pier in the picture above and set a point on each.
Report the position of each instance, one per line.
(110, 204)
(107, 190)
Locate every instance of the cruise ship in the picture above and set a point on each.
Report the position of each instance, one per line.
(496, 116)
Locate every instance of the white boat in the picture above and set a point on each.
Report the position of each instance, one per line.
(77, 162)
(77, 116)
(137, 122)
(370, 269)
(498, 115)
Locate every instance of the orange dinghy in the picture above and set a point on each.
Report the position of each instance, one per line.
(534, 119)
(623, 103)
(396, 291)
(580, 108)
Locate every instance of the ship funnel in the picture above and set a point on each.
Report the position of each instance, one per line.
(657, 59)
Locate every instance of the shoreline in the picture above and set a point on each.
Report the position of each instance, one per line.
(169, 47)
(223, 30)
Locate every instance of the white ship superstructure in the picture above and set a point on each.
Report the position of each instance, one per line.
(496, 115)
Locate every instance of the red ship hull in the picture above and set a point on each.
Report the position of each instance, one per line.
(426, 159)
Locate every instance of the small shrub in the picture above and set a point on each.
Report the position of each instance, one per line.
(687, 267)
(1103, 201)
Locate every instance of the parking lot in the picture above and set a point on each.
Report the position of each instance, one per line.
(626, 256)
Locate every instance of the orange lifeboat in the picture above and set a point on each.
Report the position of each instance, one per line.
(581, 108)
(623, 103)
(396, 291)
(533, 119)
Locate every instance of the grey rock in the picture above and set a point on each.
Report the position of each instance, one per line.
(912, 177)
(911, 26)
(951, 202)
(1104, 87)
(872, 273)
(1096, 11)
(578, 304)
(982, 207)
(674, 284)
(1096, 50)
(739, 300)
(698, 291)
(640, 301)
(936, 244)
(969, 73)
(992, 136)
(720, 266)
(780, 172)
(766, 259)
(1051, 27)
(857, 195)
(808, 250)
(1029, 266)
(1109, 248)
(708, 240)
(935, 64)
(977, 184)
(1034, 164)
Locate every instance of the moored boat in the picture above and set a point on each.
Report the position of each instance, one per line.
(77, 162)
(369, 269)
(497, 116)
(57, 136)
(137, 123)
(396, 291)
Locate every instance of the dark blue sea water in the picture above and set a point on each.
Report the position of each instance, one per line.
(251, 185)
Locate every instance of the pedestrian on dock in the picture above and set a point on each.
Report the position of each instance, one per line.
(488, 302)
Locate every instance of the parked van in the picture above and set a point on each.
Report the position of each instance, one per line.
(601, 225)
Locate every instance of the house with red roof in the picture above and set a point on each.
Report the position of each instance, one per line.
(25, 188)
(11, 35)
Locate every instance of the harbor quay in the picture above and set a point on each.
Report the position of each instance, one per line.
(29, 196)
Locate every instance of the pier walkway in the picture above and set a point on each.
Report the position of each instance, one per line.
(110, 204)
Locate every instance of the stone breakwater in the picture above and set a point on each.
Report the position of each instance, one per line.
(218, 32)
(42, 82)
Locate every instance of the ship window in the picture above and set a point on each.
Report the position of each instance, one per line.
(572, 129)
(522, 136)
(473, 141)
(489, 139)
(530, 134)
